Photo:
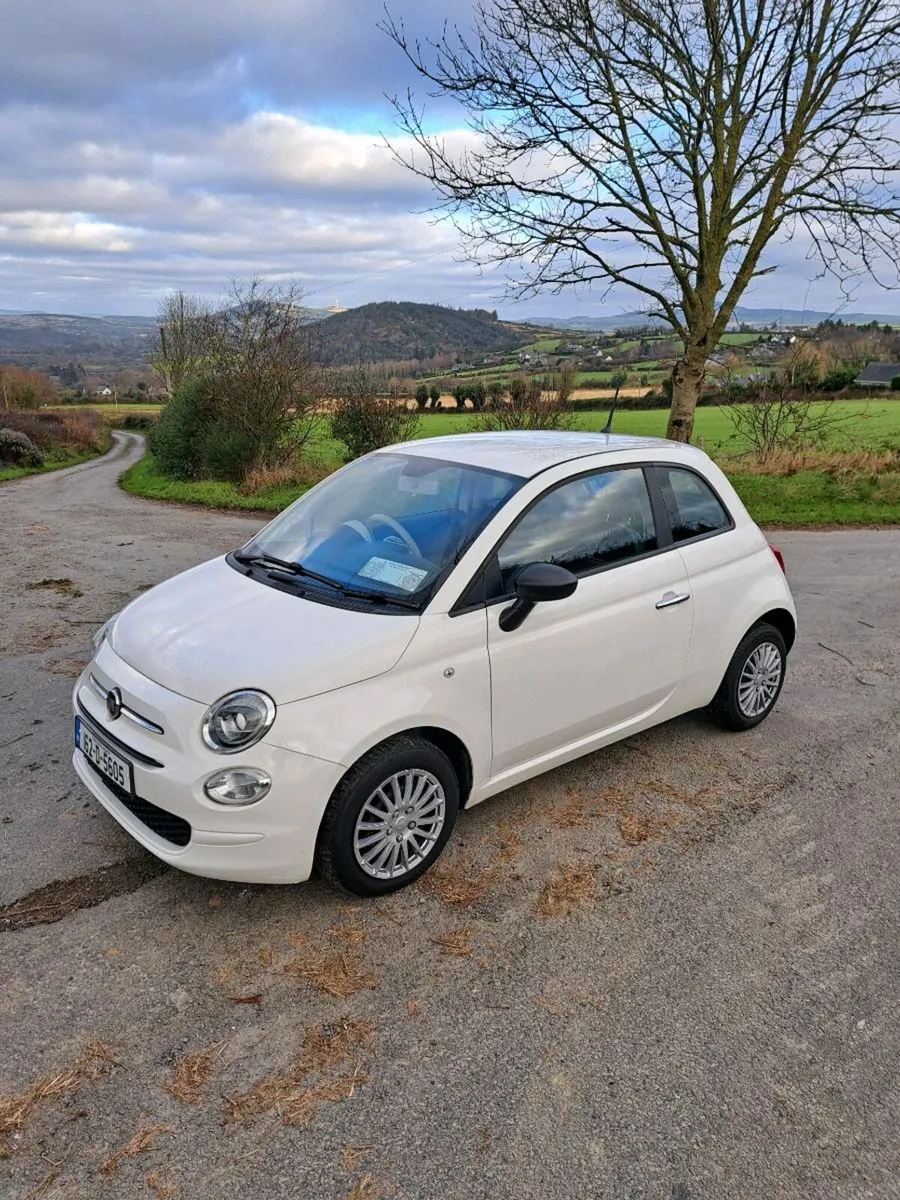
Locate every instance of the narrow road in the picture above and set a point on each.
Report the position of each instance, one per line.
(717, 1018)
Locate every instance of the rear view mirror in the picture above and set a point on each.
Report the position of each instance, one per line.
(538, 583)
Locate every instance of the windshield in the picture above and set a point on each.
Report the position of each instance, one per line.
(389, 525)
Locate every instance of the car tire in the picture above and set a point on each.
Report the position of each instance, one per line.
(753, 681)
(404, 794)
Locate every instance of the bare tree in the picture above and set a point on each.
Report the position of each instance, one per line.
(664, 144)
(182, 338)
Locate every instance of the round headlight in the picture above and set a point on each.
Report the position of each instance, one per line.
(237, 721)
(241, 785)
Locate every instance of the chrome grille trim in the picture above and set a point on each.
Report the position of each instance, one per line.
(106, 735)
(144, 723)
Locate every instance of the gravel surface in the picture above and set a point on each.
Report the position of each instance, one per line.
(710, 1009)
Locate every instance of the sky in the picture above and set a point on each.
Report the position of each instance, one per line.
(182, 143)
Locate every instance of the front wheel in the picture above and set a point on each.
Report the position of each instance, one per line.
(753, 681)
(389, 818)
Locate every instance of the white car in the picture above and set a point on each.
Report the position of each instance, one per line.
(434, 623)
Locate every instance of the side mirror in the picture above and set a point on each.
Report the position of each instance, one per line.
(536, 584)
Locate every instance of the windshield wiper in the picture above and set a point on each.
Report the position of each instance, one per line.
(299, 570)
(292, 568)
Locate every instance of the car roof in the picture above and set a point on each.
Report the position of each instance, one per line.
(527, 452)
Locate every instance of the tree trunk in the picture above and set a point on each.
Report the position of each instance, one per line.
(687, 379)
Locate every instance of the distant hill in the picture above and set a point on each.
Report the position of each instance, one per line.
(761, 317)
(396, 331)
(35, 339)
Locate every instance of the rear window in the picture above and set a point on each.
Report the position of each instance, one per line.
(694, 508)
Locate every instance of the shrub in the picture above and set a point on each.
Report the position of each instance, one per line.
(177, 440)
(434, 395)
(895, 384)
(44, 429)
(83, 431)
(838, 378)
(422, 397)
(530, 404)
(144, 422)
(227, 453)
(18, 450)
(77, 431)
(248, 390)
(21, 388)
(365, 421)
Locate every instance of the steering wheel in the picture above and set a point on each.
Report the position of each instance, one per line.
(407, 538)
(361, 529)
(358, 528)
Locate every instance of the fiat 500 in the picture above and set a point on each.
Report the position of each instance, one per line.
(434, 623)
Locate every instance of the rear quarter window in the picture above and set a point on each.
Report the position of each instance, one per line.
(694, 508)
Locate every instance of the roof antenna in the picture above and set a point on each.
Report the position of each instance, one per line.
(607, 428)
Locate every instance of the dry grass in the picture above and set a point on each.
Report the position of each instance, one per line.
(301, 1107)
(337, 974)
(326, 1047)
(414, 1008)
(63, 587)
(266, 957)
(635, 829)
(833, 462)
(571, 813)
(322, 1050)
(15, 1111)
(510, 847)
(351, 1155)
(570, 886)
(161, 1185)
(286, 475)
(191, 1074)
(367, 1188)
(142, 1142)
(455, 943)
(348, 935)
(457, 883)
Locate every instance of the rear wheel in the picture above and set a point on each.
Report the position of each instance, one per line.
(753, 681)
(389, 818)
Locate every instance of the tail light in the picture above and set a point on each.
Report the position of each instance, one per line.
(779, 557)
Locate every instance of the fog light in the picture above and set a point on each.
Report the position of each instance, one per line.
(240, 785)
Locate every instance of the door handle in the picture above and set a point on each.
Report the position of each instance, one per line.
(670, 599)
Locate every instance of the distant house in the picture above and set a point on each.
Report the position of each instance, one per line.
(877, 375)
(103, 391)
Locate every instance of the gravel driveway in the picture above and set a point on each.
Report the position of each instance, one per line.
(669, 970)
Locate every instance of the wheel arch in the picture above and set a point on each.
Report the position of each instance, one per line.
(783, 621)
(449, 743)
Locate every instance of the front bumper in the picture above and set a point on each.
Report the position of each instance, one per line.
(272, 841)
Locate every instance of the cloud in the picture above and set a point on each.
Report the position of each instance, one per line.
(177, 144)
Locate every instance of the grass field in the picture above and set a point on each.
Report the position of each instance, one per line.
(807, 498)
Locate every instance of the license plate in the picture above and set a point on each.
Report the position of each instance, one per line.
(107, 762)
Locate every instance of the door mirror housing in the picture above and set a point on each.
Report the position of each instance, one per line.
(537, 583)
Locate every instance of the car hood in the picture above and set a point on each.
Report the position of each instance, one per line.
(212, 630)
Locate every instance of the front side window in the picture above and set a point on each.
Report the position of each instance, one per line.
(592, 522)
(387, 526)
(693, 507)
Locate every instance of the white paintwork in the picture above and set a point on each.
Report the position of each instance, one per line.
(577, 675)
(211, 630)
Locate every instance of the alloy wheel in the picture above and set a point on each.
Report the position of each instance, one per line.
(760, 680)
(399, 824)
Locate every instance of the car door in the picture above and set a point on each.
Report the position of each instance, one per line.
(613, 652)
